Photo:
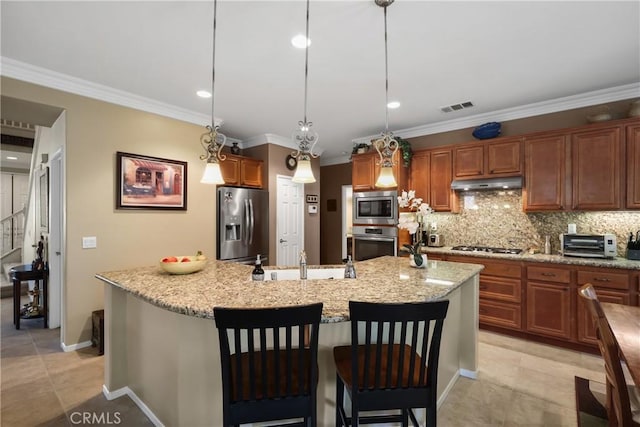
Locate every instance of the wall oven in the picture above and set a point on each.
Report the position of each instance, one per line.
(375, 207)
(371, 242)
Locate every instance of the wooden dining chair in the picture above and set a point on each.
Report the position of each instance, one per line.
(269, 360)
(391, 364)
(618, 403)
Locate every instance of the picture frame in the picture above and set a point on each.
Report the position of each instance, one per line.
(43, 199)
(145, 182)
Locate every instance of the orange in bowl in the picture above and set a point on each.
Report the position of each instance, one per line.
(184, 264)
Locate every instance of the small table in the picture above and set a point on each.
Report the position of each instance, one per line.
(624, 321)
(24, 273)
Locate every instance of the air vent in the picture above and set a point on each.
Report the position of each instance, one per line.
(457, 107)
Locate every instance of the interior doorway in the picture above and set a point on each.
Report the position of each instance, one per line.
(347, 219)
(56, 253)
(290, 220)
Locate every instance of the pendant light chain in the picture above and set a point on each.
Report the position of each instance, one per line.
(306, 64)
(213, 66)
(386, 74)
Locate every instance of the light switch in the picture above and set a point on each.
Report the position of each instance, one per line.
(89, 242)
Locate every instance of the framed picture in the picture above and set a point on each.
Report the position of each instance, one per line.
(145, 182)
(43, 199)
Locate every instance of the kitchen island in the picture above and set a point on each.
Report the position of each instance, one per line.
(161, 344)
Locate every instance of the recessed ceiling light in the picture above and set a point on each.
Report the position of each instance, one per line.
(393, 105)
(300, 41)
(203, 94)
(12, 158)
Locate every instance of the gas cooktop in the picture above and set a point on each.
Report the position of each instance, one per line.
(487, 249)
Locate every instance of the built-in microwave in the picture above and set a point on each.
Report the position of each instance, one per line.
(375, 207)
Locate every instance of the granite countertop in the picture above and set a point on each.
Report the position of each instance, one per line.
(384, 279)
(617, 262)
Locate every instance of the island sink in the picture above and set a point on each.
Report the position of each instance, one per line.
(312, 274)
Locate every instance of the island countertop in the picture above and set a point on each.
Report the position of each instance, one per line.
(220, 283)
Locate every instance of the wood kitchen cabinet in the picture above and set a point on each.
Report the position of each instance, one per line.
(430, 177)
(242, 171)
(633, 166)
(498, 158)
(549, 302)
(365, 169)
(597, 165)
(545, 172)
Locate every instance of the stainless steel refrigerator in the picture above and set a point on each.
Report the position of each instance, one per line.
(243, 224)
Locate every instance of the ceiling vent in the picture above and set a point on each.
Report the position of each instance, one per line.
(456, 107)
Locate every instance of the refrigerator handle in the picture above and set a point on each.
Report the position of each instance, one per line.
(247, 227)
(252, 222)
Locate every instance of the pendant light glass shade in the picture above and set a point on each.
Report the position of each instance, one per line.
(212, 174)
(304, 174)
(386, 178)
(212, 141)
(304, 138)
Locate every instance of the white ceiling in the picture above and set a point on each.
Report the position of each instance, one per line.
(502, 56)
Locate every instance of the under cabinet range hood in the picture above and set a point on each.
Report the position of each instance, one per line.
(487, 183)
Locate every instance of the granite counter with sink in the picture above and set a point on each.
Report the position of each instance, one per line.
(161, 344)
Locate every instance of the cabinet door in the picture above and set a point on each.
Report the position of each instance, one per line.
(363, 172)
(504, 158)
(549, 309)
(586, 330)
(420, 179)
(251, 173)
(440, 176)
(230, 169)
(633, 166)
(545, 173)
(468, 161)
(596, 169)
(500, 314)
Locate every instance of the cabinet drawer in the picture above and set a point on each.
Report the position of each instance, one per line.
(549, 274)
(604, 279)
(502, 269)
(501, 314)
(500, 288)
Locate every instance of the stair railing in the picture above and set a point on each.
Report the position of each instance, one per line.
(12, 231)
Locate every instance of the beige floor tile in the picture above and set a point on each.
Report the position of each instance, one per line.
(527, 411)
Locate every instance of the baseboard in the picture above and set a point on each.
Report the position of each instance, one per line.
(74, 347)
(126, 391)
(447, 389)
(469, 374)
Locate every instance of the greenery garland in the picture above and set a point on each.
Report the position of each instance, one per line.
(404, 145)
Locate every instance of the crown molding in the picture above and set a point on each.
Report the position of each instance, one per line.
(44, 77)
(587, 99)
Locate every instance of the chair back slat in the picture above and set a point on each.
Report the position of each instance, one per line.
(268, 355)
(610, 351)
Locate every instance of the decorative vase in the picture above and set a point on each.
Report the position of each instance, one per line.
(413, 264)
(235, 149)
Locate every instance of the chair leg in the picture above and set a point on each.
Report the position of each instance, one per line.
(431, 416)
(339, 401)
(405, 417)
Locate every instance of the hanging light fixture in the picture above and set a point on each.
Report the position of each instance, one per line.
(212, 141)
(386, 145)
(304, 137)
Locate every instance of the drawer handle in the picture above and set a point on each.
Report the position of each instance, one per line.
(601, 279)
(549, 274)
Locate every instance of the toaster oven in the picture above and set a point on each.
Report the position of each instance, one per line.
(589, 245)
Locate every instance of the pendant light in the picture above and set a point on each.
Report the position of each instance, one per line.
(212, 141)
(386, 145)
(304, 137)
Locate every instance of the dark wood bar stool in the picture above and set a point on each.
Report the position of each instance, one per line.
(392, 362)
(621, 399)
(24, 273)
(269, 363)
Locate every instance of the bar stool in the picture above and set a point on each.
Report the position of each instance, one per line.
(392, 362)
(269, 360)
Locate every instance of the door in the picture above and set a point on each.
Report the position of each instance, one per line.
(290, 221)
(347, 219)
(56, 253)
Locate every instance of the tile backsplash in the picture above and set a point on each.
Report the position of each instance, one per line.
(495, 218)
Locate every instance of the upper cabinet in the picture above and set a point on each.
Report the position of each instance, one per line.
(485, 159)
(545, 160)
(431, 172)
(242, 171)
(633, 166)
(597, 165)
(366, 167)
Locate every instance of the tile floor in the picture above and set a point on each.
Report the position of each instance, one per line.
(519, 383)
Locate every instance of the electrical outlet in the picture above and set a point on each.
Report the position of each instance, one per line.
(89, 242)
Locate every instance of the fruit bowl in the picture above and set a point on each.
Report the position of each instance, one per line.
(182, 267)
(487, 130)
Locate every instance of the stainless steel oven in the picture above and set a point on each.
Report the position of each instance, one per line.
(371, 242)
(375, 207)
